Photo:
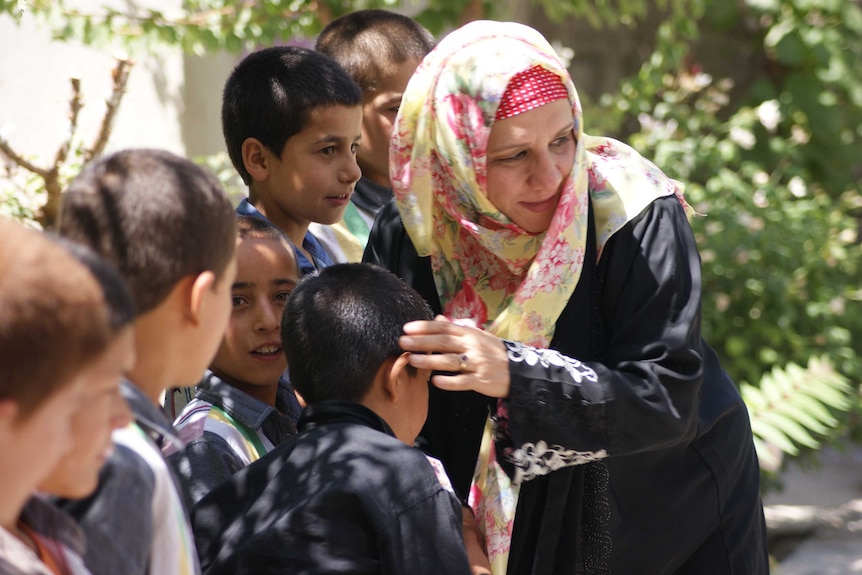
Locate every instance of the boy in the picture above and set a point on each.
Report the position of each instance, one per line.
(169, 228)
(53, 323)
(291, 119)
(380, 50)
(243, 408)
(348, 494)
(102, 409)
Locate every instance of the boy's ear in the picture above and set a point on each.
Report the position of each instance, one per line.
(8, 413)
(254, 158)
(199, 286)
(396, 380)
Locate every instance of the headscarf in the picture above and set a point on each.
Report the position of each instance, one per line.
(512, 283)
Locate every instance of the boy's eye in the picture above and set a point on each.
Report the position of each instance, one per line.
(237, 301)
(354, 147)
(328, 150)
(282, 296)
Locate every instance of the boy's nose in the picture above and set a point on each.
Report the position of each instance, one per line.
(352, 171)
(268, 318)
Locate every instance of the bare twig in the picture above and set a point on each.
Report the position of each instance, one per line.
(75, 106)
(474, 10)
(324, 13)
(49, 211)
(120, 76)
(19, 160)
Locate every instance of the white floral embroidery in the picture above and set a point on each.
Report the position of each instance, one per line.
(579, 371)
(534, 459)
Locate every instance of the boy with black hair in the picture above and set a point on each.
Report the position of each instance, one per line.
(53, 325)
(380, 50)
(169, 228)
(348, 494)
(291, 120)
(243, 408)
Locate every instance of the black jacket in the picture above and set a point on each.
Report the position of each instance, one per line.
(342, 496)
(633, 380)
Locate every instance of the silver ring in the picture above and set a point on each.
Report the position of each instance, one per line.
(462, 366)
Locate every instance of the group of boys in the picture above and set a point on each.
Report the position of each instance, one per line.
(155, 279)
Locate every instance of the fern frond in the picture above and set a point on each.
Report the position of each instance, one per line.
(795, 407)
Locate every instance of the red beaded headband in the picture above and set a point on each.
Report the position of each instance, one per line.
(528, 90)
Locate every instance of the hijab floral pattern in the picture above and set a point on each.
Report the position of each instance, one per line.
(512, 283)
(486, 268)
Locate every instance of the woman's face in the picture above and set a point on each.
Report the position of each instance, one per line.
(529, 157)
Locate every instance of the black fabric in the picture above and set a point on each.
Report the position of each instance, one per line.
(453, 430)
(370, 196)
(343, 496)
(638, 385)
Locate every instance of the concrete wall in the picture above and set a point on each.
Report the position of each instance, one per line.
(172, 99)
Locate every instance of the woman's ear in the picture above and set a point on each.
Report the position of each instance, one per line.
(255, 159)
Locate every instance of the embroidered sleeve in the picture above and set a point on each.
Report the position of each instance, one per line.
(642, 393)
(556, 416)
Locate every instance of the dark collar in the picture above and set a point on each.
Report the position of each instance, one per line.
(370, 196)
(247, 410)
(335, 411)
(152, 419)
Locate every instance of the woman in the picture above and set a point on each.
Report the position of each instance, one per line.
(617, 445)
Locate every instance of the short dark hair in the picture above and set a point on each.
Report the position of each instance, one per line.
(369, 43)
(271, 92)
(118, 298)
(257, 228)
(341, 324)
(53, 319)
(155, 216)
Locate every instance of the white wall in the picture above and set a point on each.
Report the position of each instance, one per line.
(35, 93)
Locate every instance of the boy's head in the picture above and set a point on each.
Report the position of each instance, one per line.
(102, 408)
(251, 352)
(53, 323)
(155, 216)
(380, 50)
(169, 228)
(291, 119)
(340, 333)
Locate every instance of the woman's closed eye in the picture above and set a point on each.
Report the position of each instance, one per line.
(512, 158)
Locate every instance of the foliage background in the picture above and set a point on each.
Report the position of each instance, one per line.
(771, 158)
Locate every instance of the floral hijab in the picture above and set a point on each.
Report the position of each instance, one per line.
(512, 283)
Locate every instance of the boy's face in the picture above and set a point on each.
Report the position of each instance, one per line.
(416, 403)
(314, 177)
(102, 410)
(32, 445)
(251, 351)
(214, 318)
(378, 118)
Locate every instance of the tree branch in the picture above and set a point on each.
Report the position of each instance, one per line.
(19, 160)
(474, 10)
(75, 106)
(120, 76)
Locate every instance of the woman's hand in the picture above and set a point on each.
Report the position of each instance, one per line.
(477, 358)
